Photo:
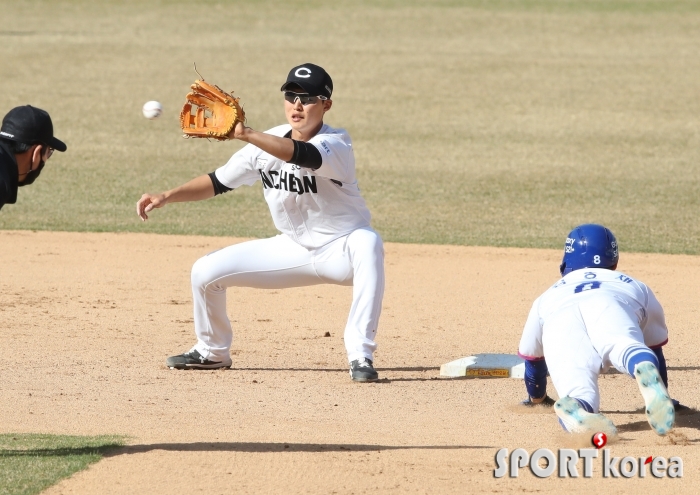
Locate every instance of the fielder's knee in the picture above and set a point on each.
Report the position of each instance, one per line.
(368, 242)
(201, 274)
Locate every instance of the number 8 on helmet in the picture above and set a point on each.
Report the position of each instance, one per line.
(589, 246)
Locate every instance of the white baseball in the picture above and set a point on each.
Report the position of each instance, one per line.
(152, 109)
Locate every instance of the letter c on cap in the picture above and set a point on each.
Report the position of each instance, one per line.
(305, 74)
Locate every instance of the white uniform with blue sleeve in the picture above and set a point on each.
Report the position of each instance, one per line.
(325, 238)
(592, 319)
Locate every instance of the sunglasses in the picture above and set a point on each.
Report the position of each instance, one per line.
(303, 98)
(49, 153)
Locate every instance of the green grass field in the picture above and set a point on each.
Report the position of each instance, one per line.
(29, 463)
(477, 122)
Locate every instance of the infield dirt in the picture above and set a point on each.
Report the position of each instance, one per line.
(88, 320)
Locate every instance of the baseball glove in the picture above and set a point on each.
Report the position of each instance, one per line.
(215, 112)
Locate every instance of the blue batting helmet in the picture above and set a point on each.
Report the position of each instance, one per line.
(589, 246)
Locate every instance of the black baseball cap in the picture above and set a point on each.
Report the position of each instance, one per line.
(314, 80)
(30, 125)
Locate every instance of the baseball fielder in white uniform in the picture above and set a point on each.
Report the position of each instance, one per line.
(593, 318)
(307, 170)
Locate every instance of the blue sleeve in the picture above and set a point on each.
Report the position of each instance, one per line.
(536, 378)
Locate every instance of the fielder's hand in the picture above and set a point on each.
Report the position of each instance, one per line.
(147, 203)
(238, 131)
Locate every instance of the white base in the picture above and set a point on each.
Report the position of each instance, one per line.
(485, 366)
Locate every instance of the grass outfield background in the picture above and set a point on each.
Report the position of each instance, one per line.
(478, 122)
(29, 462)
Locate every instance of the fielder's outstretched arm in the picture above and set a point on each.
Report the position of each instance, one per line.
(296, 151)
(279, 147)
(194, 190)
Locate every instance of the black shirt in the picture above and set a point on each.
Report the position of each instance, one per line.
(9, 176)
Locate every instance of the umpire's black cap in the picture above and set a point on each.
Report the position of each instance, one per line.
(30, 125)
(313, 79)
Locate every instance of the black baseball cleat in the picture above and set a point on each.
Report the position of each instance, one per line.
(193, 360)
(361, 370)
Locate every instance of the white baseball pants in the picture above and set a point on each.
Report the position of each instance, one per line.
(582, 339)
(356, 259)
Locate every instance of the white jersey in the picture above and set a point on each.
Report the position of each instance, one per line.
(312, 207)
(594, 288)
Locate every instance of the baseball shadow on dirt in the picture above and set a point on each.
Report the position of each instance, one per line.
(263, 447)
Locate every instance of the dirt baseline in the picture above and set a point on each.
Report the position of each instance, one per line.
(88, 320)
